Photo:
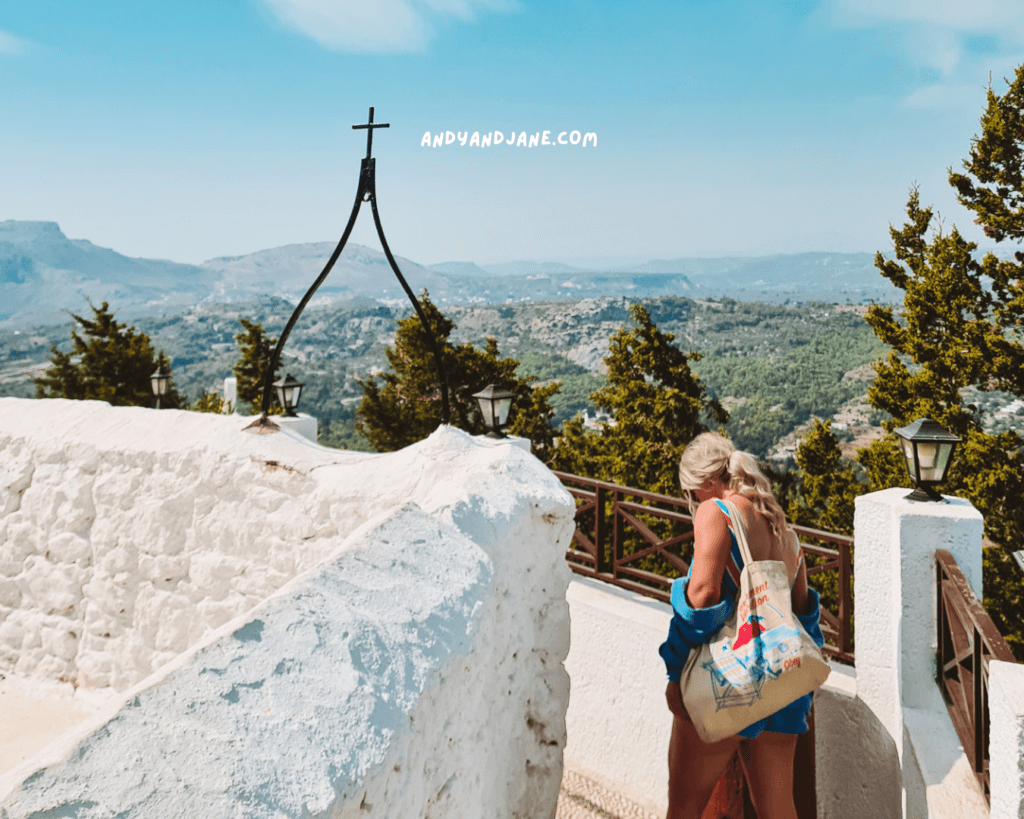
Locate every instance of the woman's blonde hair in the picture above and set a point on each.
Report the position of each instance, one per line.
(711, 455)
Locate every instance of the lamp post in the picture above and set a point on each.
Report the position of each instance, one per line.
(159, 380)
(494, 404)
(928, 449)
(288, 391)
(366, 192)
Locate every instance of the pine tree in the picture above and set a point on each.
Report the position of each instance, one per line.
(658, 405)
(828, 483)
(954, 332)
(109, 361)
(255, 350)
(403, 404)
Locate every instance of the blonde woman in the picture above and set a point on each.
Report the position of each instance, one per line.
(712, 469)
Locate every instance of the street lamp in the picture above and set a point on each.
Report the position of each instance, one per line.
(928, 448)
(159, 380)
(494, 404)
(288, 391)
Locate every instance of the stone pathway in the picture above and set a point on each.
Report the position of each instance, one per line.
(581, 798)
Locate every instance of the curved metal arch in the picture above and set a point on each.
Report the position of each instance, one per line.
(367, 191)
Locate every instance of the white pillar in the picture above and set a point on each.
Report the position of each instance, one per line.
(231, 394)
(1006, 739)
(896, 629)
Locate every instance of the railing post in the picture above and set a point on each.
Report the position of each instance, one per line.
(620, 535)
(845, 604)
(600, 530)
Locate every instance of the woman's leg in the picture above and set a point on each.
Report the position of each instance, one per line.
(768, 766)
(694, 768)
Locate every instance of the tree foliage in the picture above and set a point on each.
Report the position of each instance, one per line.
(207, 402)
(255, 351)
(828, 483)
(403, 404)
(658, 404)
(109, 361)
(960, 326)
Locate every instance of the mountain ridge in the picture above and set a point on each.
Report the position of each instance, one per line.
(43, 272)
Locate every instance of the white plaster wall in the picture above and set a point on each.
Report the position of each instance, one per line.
(1006, 739)
(618, 724)
(180, 522)
(360, 689)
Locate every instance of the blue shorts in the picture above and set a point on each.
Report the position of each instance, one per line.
(789, 720)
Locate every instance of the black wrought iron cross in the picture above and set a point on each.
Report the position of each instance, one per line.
(369, 126)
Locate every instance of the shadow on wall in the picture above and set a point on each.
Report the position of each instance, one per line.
(858, 766)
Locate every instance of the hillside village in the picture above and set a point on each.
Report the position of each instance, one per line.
(775, 367)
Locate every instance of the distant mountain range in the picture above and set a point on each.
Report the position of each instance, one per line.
(42, 272)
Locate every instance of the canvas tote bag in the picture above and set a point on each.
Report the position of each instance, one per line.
(761, 660)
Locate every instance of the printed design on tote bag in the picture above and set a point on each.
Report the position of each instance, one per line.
(740, 670)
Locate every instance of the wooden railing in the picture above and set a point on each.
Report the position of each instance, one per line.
(967, 641)
(617, 540)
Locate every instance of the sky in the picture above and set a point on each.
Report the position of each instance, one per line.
(193, 129)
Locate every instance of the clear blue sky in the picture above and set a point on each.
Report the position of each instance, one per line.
(199, 128)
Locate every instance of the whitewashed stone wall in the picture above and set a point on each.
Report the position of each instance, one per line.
(129, 535)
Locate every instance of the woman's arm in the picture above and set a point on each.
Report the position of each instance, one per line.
(711, 543)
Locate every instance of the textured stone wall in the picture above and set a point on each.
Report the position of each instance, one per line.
(130, 536)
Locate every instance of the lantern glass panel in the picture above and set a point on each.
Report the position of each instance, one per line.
(935, 461)
(926, 452)
(908, 453)
(288, 396)
(486, 405)
(503, 405)
(159, 384)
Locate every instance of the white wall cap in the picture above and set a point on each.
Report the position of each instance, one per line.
(842, 680)
(621, 603)
(508, 440)
(895, 498)
(302, 424)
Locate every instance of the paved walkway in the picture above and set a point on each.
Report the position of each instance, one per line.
(581, 798)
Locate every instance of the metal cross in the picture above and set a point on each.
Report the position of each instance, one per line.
(369, 131)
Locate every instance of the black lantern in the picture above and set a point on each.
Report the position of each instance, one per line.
(159, 380)
(288, 391)
(928, 448)
(494, 404)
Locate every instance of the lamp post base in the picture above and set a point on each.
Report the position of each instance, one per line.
(925, 494)
(262, 426)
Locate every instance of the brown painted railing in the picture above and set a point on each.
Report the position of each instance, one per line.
(615, 541)
(968, 641)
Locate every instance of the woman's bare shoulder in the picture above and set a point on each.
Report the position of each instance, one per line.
(709, 519)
